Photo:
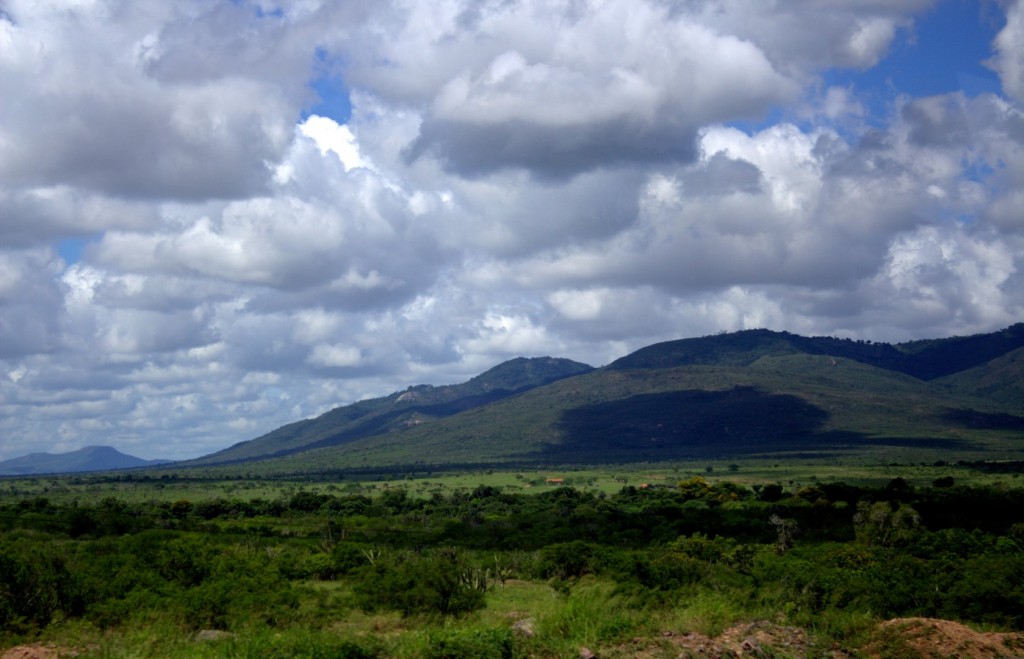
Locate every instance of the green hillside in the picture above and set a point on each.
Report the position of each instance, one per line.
(1000, 381)
(399, 411)
(752, 394)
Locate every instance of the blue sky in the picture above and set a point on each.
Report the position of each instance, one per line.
(328, 86)
(220, 217)
(944, 51)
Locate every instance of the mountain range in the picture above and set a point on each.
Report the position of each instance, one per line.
(90, 458)
(753, 393)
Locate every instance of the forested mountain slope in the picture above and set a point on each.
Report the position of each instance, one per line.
(400, 410)
(926, 360)
(750, 393)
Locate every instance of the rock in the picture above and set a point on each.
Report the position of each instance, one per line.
(524, 628)
(752, 648)
(213, 635)
(587, 653)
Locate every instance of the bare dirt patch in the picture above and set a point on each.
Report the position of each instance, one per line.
(929, 638)
(32, 652)
(752, 639)
(908, 638)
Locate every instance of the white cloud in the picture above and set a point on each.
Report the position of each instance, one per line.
(586, 305)
(1009, 46)
(869, 41)
(795, 212)
(803, 37)
(136, 100)
(605, 89)
(508, 334)
(30, 301)
(333, 137)
(334, 356)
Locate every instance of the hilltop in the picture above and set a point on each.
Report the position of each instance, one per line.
(90, 458)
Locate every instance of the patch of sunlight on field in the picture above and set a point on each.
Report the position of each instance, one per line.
(519, 600)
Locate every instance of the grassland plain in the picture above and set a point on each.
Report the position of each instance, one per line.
(212, 483)
(704, 554)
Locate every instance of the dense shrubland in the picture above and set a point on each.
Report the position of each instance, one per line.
(291, 571)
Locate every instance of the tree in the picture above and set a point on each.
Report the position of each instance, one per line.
(786, 531)
(438, 582)
(694, 488)
(885, 524)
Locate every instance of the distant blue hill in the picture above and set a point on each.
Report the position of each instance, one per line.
(90, 458)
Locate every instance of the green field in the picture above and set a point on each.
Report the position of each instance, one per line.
(211, 483)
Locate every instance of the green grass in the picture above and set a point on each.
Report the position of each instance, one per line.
(160, 639)
(591, 615)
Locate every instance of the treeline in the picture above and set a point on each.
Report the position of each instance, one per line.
(815, 555)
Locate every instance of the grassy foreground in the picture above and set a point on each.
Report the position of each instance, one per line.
(660, 564)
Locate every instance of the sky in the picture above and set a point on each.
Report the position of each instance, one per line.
(218, 217)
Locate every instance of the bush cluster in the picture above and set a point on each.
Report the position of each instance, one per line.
(947, 551)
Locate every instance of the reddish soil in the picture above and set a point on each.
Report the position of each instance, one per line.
(908, 638)
(31, 652)
(754, 639)
(929, 638)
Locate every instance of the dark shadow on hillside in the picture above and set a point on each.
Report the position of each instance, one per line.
(704, 424)
(976, 420)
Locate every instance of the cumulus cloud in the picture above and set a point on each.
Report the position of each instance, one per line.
(30, 299)
(185, 101)
(1009, 47)
(811, 211)
(605, 91)
(515, 178)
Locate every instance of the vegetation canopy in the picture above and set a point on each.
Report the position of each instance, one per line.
(489, 571)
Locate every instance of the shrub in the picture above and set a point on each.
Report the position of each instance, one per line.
(469, 644)
(230, 601)
(668, 572)
(35, 585)
(439, 582)
(566, 560)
